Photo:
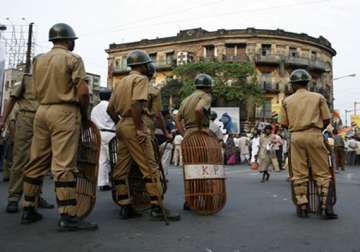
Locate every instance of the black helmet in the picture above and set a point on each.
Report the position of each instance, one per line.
(104, 94)
(203, 80)
(138, 57)
(61, 31)
(300, 76)
(213, 115)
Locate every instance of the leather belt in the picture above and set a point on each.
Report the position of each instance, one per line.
(108, 130)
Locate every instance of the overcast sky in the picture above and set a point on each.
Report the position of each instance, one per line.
(99, 23)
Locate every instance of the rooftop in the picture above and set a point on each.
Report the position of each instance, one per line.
(199, 33)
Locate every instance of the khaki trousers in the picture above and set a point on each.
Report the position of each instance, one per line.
(21, 153)
(55, 145)
(177, 159)
(308, 150)
(130, 149)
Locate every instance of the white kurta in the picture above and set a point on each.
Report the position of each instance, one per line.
(104, 122)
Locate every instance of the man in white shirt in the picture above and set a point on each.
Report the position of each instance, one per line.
(107, 131)
(244, 148)
(177, 159)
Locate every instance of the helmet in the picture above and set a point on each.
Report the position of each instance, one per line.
(300, 76)
(104, 94)
(138, 57)
(213, 115)
(61, 31)
(203, 80)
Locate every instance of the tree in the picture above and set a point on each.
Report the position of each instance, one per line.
(235, 83)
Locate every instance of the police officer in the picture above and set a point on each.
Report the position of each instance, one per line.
(21, 95)
(128, 101)
(60, 88)
(194, 110)
(305, 114)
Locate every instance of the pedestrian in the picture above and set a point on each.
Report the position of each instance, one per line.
(230, 150)
(305, 114)
(177, 160)
(60, 88)
(352, 146)
(339, 148)
(107, 131)
(255, 146)
(129, 100)
(265, 152)
(244, 147)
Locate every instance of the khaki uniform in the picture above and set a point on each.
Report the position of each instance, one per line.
(153, 107)
(187, 110)
(27, 106)
(134, 87)
(56, 76)
(304, 113)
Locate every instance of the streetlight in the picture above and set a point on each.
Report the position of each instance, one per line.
(345, 76)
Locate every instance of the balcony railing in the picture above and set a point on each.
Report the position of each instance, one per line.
(267, 59)
(165, 64)
(235, 58)
(269, 87)
(318, 64)
(297, 61)
(120, 69)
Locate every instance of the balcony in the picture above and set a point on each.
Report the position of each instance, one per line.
(165, 64)
(297, 61)
(270, 88)
(120, 69)
(235, 58)
(208, 59)
(267, 59)
(317, 64)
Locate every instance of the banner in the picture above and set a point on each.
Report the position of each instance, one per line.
(355, 121)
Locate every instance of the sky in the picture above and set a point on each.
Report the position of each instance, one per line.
(100, 23)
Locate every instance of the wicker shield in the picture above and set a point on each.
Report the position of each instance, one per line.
(88, 163)
(139, 195)
(204, 174)
(313, 193)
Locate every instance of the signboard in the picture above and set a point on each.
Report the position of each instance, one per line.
(204, 171)
(355, 121)
(233, 112)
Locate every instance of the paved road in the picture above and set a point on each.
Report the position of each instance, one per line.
(257, 217)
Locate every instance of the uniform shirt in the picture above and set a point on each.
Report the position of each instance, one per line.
(154, 101)
(304, 110)
(56, 76)
(101, 118)
(134, 87)
(188, 106)
(22, 92)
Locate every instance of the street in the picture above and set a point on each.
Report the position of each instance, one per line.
(257, 217)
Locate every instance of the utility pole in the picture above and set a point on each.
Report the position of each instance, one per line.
(28, 51)
(346, 116)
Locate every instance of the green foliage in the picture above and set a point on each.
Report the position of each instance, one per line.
(234, 82)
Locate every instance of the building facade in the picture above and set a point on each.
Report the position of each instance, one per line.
(274, 53)
(93, 81)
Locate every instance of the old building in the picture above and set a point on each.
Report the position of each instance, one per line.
(275, 53)
(93, 81)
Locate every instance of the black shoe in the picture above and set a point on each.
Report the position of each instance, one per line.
(12, 207)
(128, 212)
(104, 188)
(302, 212)
(73, 223)
(267, 176)
(44, 204)
(329, 215)
(30, 215)
(186, 207)
(157, 214)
